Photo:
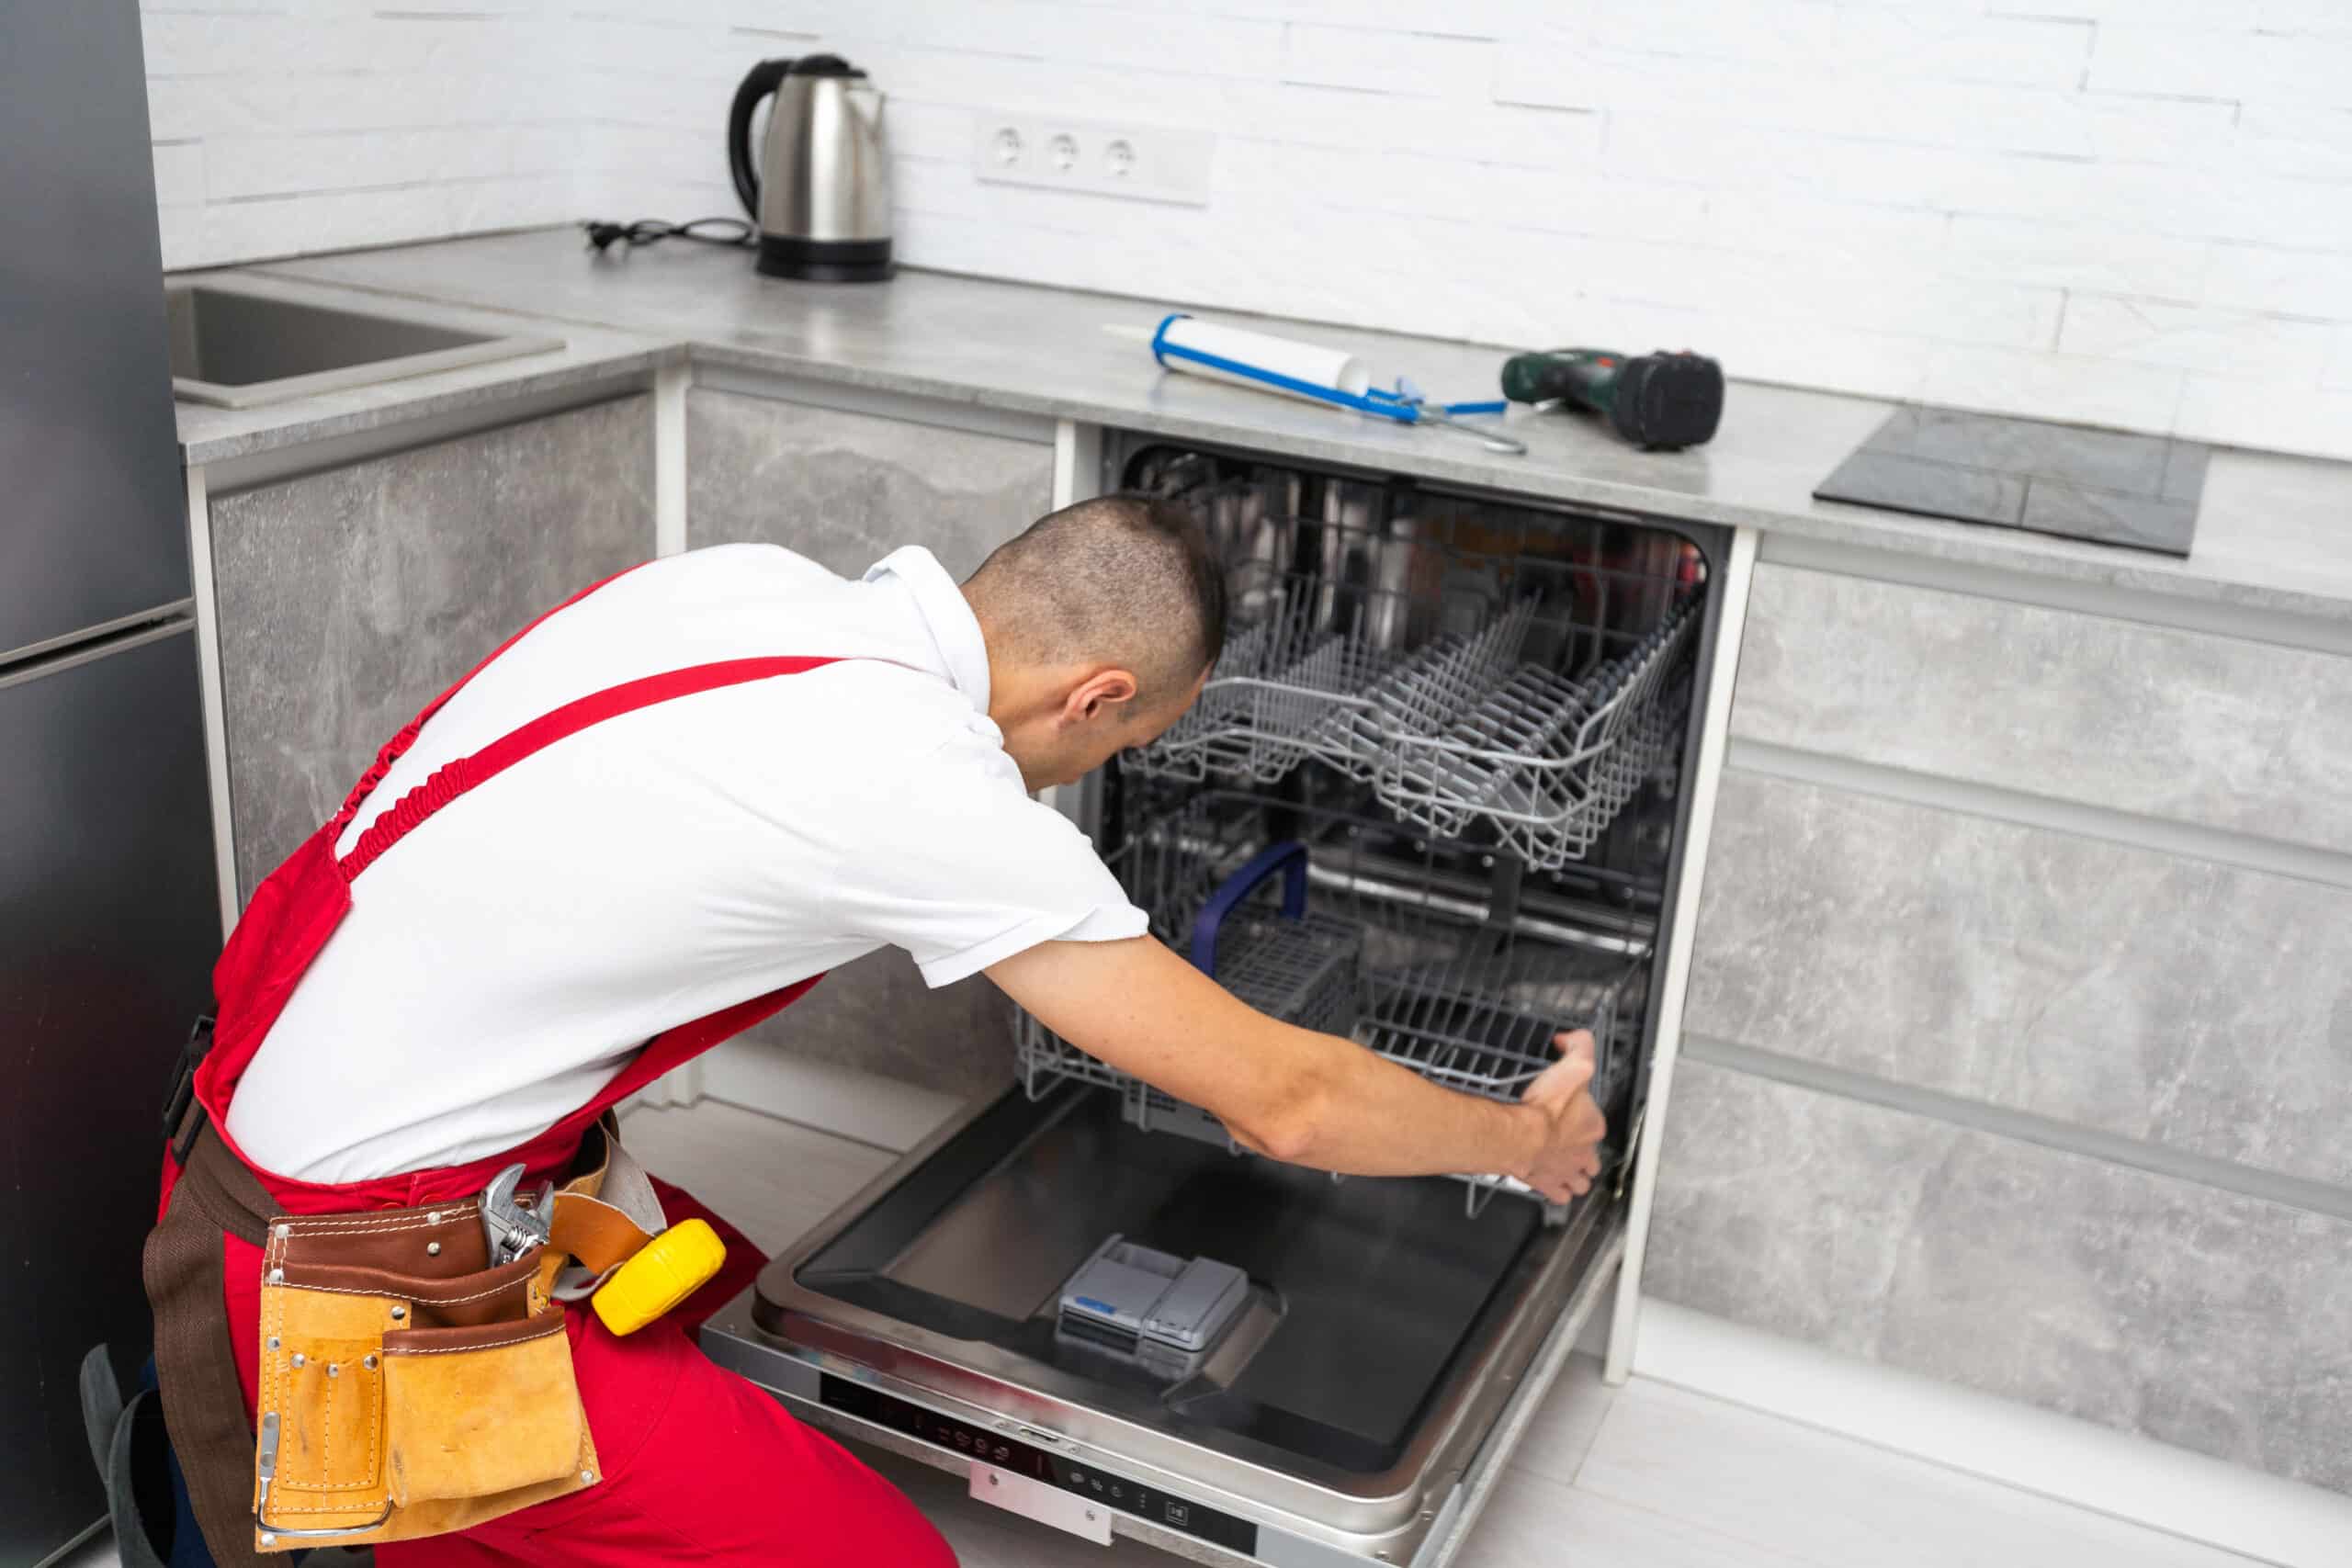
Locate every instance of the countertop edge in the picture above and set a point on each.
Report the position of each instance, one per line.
(491, 391)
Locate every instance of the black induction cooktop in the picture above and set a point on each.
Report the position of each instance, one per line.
(2098, 485)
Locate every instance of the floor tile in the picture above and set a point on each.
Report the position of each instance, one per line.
(1562, 1432)
(1532, 1522)
(1762, 1479)
(773, 1178)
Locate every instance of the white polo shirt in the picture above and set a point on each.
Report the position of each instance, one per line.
(503, 961)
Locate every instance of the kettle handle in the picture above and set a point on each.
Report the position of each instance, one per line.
(762, 80)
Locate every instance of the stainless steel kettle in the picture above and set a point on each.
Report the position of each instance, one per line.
(821, 188)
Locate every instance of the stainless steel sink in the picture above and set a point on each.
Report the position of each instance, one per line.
(236, 348)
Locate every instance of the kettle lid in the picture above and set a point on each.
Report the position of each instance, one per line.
(822, 65)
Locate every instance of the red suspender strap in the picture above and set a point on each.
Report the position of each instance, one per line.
(459, 774)
(397, 747)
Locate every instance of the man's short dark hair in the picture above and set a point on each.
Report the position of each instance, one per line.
(1130, 578)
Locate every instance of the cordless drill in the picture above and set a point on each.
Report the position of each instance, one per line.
(1653, 399)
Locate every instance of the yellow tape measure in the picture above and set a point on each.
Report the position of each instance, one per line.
(665, 1271)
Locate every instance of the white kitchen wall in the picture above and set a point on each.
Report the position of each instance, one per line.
(2132, 212)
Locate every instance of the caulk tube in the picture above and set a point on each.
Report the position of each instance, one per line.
(1260, 360)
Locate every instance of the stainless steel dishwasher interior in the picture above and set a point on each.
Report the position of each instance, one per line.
(1432, 797)
(238, 348)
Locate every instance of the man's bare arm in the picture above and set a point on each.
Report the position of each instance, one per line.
(1293, 1094)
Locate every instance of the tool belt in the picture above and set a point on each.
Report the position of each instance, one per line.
(411, 1383)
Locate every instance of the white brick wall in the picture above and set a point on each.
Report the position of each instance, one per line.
(288, 126)
(2135, 212)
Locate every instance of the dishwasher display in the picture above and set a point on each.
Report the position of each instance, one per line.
(1432, 797)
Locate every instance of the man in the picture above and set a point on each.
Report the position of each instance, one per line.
(856, 769)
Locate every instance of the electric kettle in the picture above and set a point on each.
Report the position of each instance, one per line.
(821, 188)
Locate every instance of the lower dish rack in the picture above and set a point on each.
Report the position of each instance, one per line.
(1361, 941)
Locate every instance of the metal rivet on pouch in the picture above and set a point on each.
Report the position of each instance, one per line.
(273, 1342)
(334, 1369)
(434, 1218)
(587, 1478)
(285, 1231)
(298, 1358)
(277, 1276)
(369, 1362)
(268, 1539)
(432, 1249)
(398, 1313)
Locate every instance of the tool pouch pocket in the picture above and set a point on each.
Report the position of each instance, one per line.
(405, 1389)
(477, 1411)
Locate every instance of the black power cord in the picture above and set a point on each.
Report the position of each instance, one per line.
(604, 235)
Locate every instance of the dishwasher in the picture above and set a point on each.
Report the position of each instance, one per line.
(1432, 797)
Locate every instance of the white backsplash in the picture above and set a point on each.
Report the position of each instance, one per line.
(2132, 212)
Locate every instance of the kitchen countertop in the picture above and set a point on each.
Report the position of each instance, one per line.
(2275, 532)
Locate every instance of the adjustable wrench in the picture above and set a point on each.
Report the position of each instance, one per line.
(510, 1229)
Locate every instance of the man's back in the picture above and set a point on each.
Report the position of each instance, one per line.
(501, 963)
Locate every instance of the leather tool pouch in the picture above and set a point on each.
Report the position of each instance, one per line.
(406, 1389)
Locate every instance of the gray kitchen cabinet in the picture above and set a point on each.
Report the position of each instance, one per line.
(350, 597)
(2185, 726)
(2205, 1318)
(2189, 1003)
(845, 489)
(2018, 1047)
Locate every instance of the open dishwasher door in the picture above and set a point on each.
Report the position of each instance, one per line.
(1431, 798)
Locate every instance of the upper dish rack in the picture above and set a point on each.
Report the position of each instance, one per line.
(1469, 687)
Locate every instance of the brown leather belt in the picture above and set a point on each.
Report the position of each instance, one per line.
(196, 1363)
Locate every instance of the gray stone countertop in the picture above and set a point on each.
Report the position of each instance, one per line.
(2275, 532)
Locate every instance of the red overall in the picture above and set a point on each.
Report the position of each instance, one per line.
(696, 1463)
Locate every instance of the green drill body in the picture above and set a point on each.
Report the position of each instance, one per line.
(1652, 400)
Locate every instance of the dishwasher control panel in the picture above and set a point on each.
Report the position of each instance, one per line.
(975, 1440)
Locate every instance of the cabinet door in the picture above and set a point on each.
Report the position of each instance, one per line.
(2180, 725)
(845, 490)
(349, 598)
(109, 921)
(2190, 1004)
(2208, 1319)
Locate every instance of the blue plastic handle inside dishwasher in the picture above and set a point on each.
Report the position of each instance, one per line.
(1289, 857)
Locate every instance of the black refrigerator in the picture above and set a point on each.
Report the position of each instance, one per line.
(109, 911)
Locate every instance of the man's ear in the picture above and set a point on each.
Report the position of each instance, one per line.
(1104, 691)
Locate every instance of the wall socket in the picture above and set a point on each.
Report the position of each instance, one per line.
(1146, 162)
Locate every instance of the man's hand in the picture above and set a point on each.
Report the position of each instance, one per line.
(1569, 1160)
